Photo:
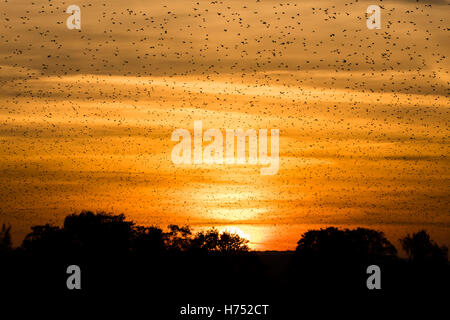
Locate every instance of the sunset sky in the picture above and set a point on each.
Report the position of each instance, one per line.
(86, 116)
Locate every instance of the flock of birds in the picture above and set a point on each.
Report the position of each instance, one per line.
(260, 44)
(215, 38)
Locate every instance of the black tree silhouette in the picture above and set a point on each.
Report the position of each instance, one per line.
(421, 248)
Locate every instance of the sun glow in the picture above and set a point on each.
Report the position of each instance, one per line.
(236, 231)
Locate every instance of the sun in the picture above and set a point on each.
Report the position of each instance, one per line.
(235, 230)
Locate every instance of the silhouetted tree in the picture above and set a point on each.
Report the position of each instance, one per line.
(230, 242)
(178, 238)
(332, 243)
(337, 259)
(101, 231)
(44, 238)
(84, 233)
(420, 248)
(148, 240)
(5, 239)
(213, 241)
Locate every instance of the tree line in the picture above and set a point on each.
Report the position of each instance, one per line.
(116, 256)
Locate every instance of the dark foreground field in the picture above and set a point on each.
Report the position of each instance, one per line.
(129, 268)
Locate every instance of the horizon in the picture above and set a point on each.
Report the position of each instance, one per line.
(279, 243)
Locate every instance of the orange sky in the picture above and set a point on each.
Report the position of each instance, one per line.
(86, 116)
